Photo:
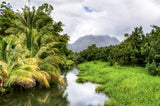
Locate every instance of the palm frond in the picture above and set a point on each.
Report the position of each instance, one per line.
(42, 78)
(22, 78)
(46, 74)
(22, 20)
(48, 48)
(53, 71)
(55, 59)
(4, 68)
(25, 82)
(29, 67)
(11, 30)
(40, 51)
(50, 67)
(27, 78)
(56, 78)
(31, 61)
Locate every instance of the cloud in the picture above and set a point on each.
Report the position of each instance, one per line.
(111, 17)
(100, 17)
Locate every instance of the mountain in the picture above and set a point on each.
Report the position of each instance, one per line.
(100, 41)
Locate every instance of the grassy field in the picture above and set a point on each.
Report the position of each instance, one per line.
(131, 86)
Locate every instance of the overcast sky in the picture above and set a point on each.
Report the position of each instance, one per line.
(100, 17)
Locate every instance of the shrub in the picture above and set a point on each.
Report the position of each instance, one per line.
(153, 69)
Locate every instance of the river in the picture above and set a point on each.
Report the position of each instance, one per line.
(70, 94)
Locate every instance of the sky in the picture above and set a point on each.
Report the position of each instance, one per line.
(100, 17)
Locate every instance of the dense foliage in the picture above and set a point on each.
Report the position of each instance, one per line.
(137, 49)
(32, 50)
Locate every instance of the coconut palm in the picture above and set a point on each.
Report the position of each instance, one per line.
(17, 69)
(33, 23)
(27, 74)
(30, 53)
(40, 39)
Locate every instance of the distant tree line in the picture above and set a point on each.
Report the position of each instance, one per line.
(137, 49)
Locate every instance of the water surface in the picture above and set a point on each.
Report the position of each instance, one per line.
(71, 94)
(82, 94)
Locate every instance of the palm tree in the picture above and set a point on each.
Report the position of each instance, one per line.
(33, 23)
(18, 69)
(27, 74)
(40, 40)
(32, 49)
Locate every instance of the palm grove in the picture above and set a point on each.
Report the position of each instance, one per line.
(32, 50)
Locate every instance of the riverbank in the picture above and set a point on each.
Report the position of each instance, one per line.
(69, 94)
(131, 86)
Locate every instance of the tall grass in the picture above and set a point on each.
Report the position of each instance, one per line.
(131, 86)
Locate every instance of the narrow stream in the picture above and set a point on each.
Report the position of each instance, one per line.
(71, 94)
(82, 94)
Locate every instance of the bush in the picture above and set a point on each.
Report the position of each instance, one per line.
(153, 69)
(116, 65)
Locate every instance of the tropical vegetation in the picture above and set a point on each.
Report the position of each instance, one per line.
(32, 50)
(138, 49)
(130, 71)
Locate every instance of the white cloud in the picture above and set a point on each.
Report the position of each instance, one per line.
(112, 17)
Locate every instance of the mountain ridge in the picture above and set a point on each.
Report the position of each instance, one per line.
(85, 41)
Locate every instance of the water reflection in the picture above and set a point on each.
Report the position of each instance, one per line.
(37, 97)
(82, 94)
(71, 94)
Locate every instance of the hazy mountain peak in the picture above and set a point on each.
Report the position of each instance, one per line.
(100, 41)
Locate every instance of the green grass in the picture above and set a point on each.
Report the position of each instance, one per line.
(131, 86)
(69, 62)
